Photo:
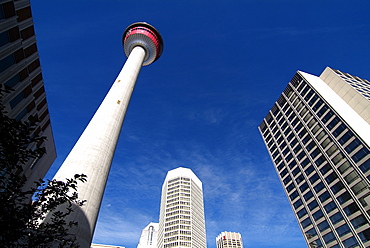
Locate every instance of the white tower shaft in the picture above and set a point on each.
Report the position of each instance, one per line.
(93, 153)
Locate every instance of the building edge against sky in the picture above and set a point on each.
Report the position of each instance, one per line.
(20, 70)
(318, 137)
(229, 240)
(181, 220)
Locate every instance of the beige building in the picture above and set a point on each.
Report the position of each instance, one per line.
(229, 240)
(20, 71)
(318, 136)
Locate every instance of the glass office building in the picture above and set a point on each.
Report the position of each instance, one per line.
(318, 136)
(20, 70)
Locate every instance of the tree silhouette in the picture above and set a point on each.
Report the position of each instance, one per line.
(23, 211)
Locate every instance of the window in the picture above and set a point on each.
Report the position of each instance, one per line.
(292, 164)
(290, 187)
(343, 230)
(351, 209)
(325, 169)
(351, 177)
(365, 235)
(330, 207)
(344, 197)
(365, 167)
(16, 99)
(359, 187)
(344, 167)
(280, 166)
(359, 221)
(297, 204)
(287, 180)
(308, 195)
(330, 237)
(319, 187)
(339, 130)
(333, 123)
(301, 213)
(299, 179)
(345, 137)
(336, 218)
(324, 196)
(309, 170)
(296, 171)
(305, 162)
(352, 146)
(12, 82)
(337, 187)
(303, 187)
(6, 62)
(320, 160)
(350, 243)
(317, 215)
(293, 195)
(314, 178)
(331, 177)
(284, 172)
(327, 116)
(305, 223)
(315, 153)
(360, 154)
(323, 226)
(311, 233)
(4, 38)
(312, 205)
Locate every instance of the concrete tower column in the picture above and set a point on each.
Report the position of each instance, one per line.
(93, 153)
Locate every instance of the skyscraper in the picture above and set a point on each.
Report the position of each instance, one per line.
(318, 137)
(93, 152)
(20, 71)
(149, 236)
(229, 240)
(181, 220)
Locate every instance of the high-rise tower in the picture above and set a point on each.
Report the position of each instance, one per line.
(181, 220)
(318, 137)
(229, 240)
(93, 153)
(149, 236)
(20, 71)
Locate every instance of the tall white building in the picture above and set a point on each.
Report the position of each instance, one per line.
(318, 137)
(229, 240)
(149, 236)
(181, 220)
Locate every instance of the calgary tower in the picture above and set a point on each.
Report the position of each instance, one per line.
(93, 153)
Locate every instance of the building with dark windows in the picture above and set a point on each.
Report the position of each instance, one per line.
(20, 71)
(229, 240)
(181, 219)
(318, 137)
(149, 236)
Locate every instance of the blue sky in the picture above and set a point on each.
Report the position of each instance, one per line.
(224, 64)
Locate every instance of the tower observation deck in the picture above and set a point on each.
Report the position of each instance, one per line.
(93, 152)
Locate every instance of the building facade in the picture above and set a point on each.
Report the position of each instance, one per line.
(229, 240)
(20, 71)
(149, 236)
(105, 246)
(181, 220)
(318, 137)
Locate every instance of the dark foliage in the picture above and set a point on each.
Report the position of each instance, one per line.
(21, 217)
